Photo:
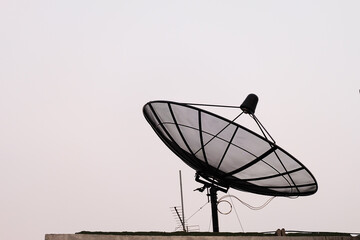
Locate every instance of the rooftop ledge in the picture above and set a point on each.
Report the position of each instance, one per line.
(87, 235)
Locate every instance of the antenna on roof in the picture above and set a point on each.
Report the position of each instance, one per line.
(182, 203)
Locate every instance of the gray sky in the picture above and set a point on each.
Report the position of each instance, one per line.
(77, 154)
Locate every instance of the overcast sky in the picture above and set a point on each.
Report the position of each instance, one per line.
(77, 154)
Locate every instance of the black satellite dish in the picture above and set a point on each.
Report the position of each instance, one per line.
(225, 154)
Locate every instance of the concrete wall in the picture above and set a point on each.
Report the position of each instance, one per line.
(132, 237)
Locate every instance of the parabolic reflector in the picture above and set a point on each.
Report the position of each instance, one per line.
(226, 153)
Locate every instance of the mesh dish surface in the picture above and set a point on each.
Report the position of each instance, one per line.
(227, 153)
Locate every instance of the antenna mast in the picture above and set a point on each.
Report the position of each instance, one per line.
(182, 203)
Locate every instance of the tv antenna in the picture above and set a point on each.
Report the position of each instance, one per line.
(225, 154)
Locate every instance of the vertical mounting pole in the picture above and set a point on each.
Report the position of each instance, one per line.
(214, 210)
(182, 203)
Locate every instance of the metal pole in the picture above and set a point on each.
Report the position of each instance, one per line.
(182, 203)
(214, 210)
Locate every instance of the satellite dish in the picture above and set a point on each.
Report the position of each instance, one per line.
(225, 154)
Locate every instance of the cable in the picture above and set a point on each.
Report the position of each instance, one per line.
(197, 211)
(209, 224)
(237, 216)
(246, 204)
(228, 212)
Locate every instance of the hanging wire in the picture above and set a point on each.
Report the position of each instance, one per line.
(210, 224)
(228, 212)
(237, 216)
(232, 206)
(244, 203)
(195, 214)
(197, 211)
